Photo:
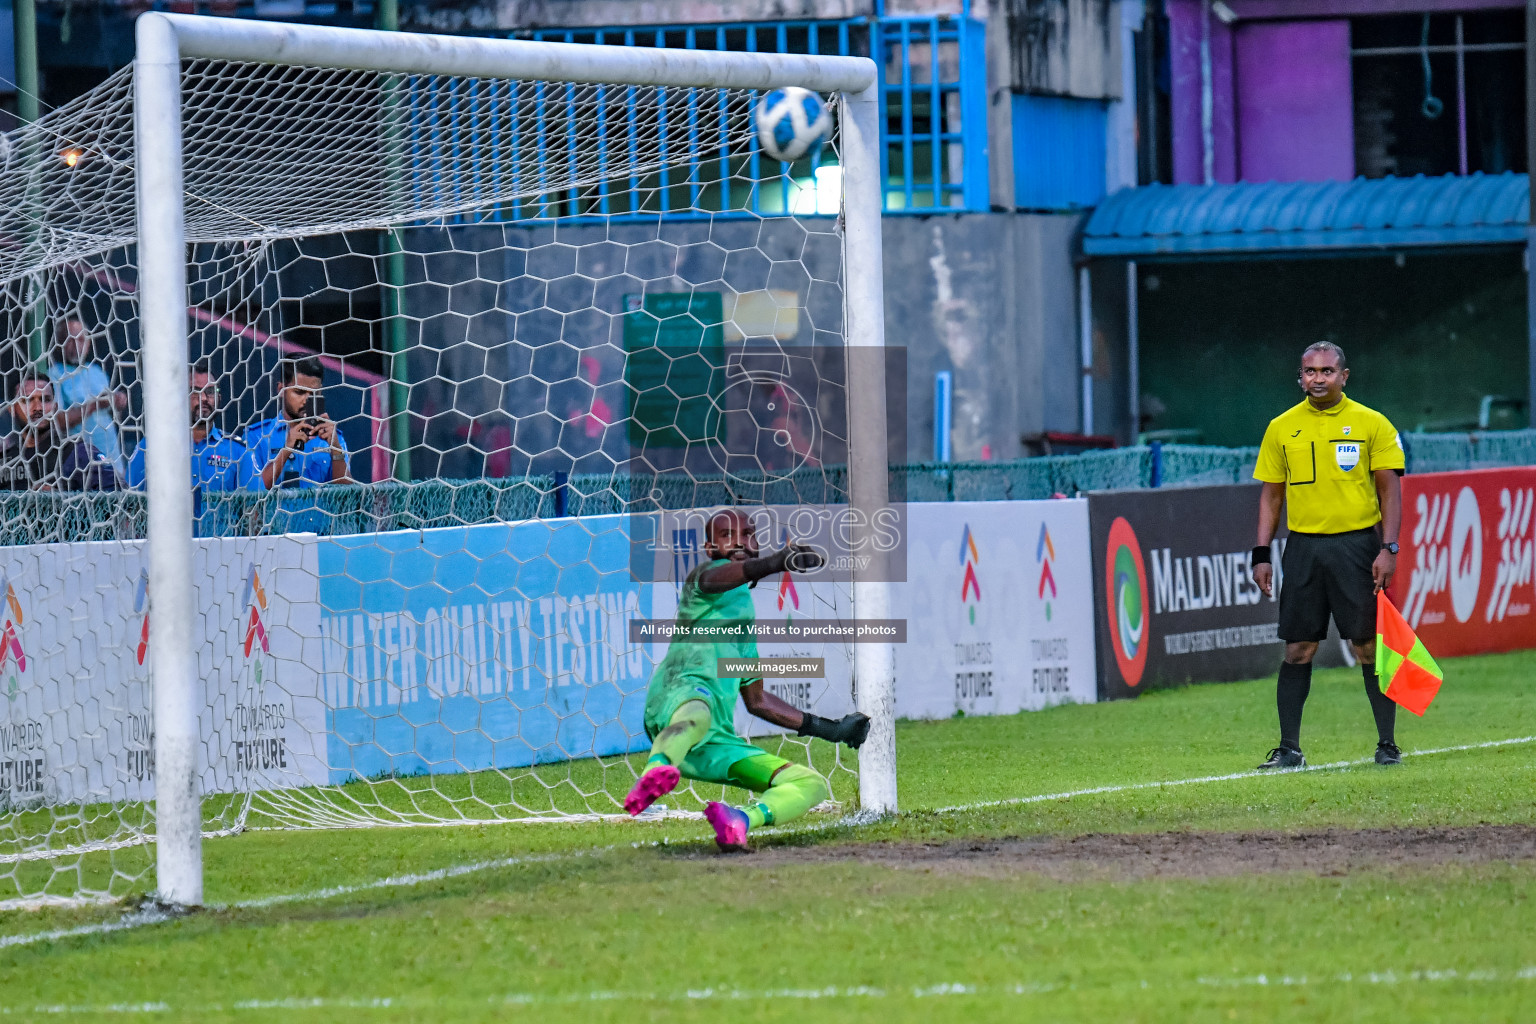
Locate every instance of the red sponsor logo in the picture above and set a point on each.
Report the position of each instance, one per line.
(13, 660)
(970, 583)
(1464, 577)
(1125, 588)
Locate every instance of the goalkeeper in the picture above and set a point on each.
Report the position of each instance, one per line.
(690, 709)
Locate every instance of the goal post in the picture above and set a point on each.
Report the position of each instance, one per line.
(166, 41)
(868, 458)
(167, 432)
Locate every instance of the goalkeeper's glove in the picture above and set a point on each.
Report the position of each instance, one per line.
(850, 729)
(792, 558)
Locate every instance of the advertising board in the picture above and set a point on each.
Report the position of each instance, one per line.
(1464, 574)
(491, 646)
(999, 608)
(77, 720)
(325, 660)
(1173, 601)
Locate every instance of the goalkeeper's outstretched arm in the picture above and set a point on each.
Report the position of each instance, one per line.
(746, 567)
(850, 729)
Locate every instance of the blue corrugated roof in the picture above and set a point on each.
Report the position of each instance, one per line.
(1367, 213)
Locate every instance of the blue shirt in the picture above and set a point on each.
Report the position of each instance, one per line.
(76, 385)
(308, 467)
(219, 463)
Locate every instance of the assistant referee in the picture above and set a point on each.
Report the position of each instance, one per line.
(1336, 466)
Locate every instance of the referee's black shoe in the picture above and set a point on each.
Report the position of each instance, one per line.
(1284, 757)
(1387, 753)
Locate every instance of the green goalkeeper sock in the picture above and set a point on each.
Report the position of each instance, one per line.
(688, 726)
(795, 789)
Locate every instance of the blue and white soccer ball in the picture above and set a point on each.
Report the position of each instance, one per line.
(792, 123)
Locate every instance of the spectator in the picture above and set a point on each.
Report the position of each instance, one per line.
(37, 454)
(220, 462)
(84, 391)
(300, 446)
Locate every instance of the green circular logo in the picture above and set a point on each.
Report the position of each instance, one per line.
(1125, 590)
(1128, 601)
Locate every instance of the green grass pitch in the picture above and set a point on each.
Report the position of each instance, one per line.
(913, 918)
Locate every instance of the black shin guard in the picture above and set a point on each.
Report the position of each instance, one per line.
(1383, 708)
(1290, 696)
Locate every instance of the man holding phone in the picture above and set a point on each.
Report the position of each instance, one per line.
(299, 447)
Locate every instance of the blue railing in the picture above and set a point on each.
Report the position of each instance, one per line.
(719, 181)
(934, 157)
(932, 77)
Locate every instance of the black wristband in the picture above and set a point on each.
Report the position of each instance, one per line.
(815, 725)
(1260, 556)
(757, 568)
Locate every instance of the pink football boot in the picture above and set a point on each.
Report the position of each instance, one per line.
(730, 826)
(656, 782)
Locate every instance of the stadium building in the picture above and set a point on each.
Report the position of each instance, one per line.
(1348, 170)
(1082, 200)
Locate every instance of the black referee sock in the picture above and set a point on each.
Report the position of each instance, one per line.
(1290, 696)
(1383, 708)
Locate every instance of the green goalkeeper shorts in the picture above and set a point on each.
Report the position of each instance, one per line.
(756, 772)
(732, 763)
(723, 756)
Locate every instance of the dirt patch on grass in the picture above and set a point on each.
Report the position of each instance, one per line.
(1332, 851)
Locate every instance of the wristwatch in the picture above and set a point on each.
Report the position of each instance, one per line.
(1389, 547)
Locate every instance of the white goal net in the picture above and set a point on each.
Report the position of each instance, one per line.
(532, 330)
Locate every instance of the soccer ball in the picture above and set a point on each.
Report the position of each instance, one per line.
(792, 123)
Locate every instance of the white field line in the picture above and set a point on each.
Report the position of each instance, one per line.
(397, 881)
(677, 815)
(859, 819)
(708, 995)
(131, 920)
(407, 880)
(1233, 777)
(147, 838)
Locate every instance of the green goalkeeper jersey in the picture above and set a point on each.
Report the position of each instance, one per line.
(688, 671)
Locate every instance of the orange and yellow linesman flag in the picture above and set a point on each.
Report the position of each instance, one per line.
(1404, 668)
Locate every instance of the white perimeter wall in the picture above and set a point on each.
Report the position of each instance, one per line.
(1029, 643)
(998, 606)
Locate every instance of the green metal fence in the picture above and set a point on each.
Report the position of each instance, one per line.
(50, 517)
(34, 518)
(1069, 475)
(1483, 449)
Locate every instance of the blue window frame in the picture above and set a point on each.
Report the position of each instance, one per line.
(933, 77)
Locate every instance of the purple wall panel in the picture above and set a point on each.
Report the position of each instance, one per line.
(1295, 114)
(1224, 130)
(1184, 104)
(1290, 9)
(1184, 31)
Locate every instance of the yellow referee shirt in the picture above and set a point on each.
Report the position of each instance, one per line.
(1325, 458)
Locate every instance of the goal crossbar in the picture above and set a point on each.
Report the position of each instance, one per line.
(411, 53)
(164, 41)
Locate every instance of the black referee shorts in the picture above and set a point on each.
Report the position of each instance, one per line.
(1329, 573)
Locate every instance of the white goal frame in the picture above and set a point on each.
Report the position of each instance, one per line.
(163, 42)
